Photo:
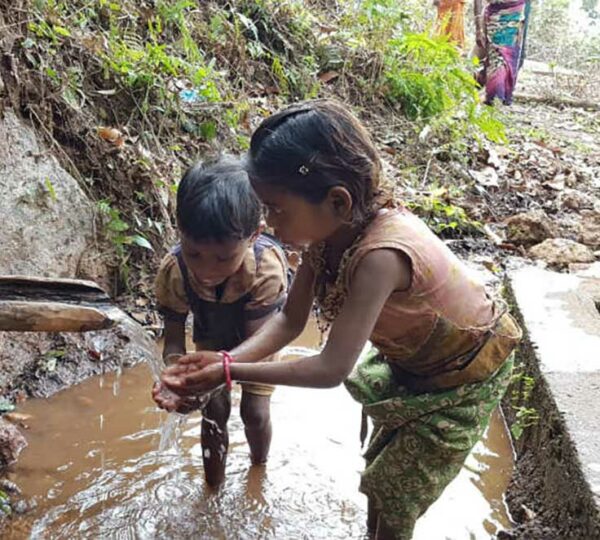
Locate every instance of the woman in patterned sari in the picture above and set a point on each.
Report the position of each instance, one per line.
(501, 33)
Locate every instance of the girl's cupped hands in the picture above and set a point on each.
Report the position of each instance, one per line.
(195, 373)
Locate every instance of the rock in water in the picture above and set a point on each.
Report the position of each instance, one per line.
(562, 252)
(12, 443)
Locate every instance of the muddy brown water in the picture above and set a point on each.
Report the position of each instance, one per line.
(94, 468)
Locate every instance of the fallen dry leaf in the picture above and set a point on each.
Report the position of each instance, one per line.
(15, 417)
(328, 76)
(487, 177)
(19, 419)
(111, 135)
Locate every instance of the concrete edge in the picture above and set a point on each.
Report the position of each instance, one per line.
(549, 496)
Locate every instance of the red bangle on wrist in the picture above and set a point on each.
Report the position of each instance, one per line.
(227, 361)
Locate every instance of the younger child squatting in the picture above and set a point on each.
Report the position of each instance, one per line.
(232, 279)
(441, 357)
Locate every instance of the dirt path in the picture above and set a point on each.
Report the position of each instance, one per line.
(550, 165)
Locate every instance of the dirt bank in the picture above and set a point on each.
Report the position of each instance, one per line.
(39, 364)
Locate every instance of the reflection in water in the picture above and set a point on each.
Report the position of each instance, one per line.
(94, 466)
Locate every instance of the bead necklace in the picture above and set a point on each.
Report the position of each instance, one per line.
(330, 294)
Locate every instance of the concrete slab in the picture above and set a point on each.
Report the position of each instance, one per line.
(576, 395)
(561, 315)
(562, 318)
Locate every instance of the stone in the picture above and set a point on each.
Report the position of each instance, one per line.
(47, 219)
(9, 487)
(529, 228)
(586, 270)
(12, 443)
(571, 199)
(20, 507)
(589, 229)
(582, 268)
(562, 252)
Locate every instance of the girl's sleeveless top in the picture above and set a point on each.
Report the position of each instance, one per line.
(445, 329)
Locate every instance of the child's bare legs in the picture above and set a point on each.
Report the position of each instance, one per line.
(255, 411)
(215, 438)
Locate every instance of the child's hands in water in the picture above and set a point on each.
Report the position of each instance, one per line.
(171, 402)
(195, 373)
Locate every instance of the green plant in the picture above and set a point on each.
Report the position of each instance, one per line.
(442, 215)
(525, 416)
(115, 230)
(373, 22)
(50, 188)
(280, 34)
(431, 82)
(48, 362)
(5, 503)
(53, 32)
(175, 13)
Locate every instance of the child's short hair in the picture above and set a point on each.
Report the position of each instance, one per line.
(216, 202)
(311, 147)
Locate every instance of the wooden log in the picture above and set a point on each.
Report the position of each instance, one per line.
(51, 317)
(60, 289)
(33, 304)
(558, 101)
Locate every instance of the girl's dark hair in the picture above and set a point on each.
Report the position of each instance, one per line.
(311, 147)
(215, 201)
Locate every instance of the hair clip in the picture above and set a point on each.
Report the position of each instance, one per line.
(303, 170)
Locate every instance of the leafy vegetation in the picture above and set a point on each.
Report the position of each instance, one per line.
(525, 416)
(428, 78)
(442, 215)
(116, 231)
(5, 503)
(178, 79)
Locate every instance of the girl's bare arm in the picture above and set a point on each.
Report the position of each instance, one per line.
(379, 274)
(267, 337)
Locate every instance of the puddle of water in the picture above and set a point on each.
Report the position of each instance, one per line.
(94, 467)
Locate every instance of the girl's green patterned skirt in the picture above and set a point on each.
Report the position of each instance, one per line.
(420, 440)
